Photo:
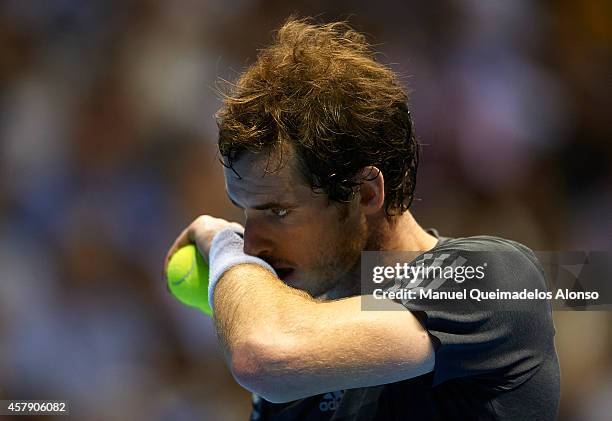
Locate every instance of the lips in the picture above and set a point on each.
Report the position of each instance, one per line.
(283, 268)
(283, 272)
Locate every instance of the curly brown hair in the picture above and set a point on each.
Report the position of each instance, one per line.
(319, 89)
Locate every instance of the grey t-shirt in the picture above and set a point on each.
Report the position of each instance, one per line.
(492, 364)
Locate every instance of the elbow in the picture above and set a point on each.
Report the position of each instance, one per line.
(248, 364)
(425, 355)
(429, 360)
(260, 366)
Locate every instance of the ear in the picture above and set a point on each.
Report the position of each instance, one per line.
(371, 190)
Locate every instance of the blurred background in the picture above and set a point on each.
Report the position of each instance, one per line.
(107, 150)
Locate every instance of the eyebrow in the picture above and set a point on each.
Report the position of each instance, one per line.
(263, 206)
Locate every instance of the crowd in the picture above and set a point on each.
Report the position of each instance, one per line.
(108, 149)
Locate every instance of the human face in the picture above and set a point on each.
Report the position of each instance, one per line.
(297, 231)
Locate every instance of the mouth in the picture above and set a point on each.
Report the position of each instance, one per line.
(284, 273)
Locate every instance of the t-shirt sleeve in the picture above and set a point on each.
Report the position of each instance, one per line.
(500, 342)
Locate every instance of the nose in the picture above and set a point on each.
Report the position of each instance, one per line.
(256, 240)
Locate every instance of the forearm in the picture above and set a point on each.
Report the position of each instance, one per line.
(251, 306)
(284, 345)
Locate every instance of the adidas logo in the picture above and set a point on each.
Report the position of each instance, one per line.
(331, 401)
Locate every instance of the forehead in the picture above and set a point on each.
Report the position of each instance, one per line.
(258, 176)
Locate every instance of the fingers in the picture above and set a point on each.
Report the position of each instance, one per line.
(237, 227)
(204, 229)
(181, 241)
(201, 232)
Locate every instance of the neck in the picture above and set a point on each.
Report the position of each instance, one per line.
(402, 233)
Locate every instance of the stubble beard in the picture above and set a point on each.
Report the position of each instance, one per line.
(340, 262)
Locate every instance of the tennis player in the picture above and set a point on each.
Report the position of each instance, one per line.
(319, 151)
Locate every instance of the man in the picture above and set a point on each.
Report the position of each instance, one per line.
(319, 151)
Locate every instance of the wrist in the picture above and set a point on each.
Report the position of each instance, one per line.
(227, 251)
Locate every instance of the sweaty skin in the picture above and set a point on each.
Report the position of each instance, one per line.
(298, 336)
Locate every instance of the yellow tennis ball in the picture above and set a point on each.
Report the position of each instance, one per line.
(187, 276)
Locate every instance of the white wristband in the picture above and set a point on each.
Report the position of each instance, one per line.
(227, 251)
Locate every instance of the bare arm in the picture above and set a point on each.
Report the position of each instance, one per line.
(283, 345)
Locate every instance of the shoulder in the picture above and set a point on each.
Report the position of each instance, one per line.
(505, 339)
(483, 243)
(503, 257)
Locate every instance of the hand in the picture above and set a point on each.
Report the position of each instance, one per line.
(201, 232)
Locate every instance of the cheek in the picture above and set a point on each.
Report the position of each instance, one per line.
(317, 237)
(322, 243)
(304, 245)
(293, 242)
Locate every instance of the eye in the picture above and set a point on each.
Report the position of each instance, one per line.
(280, 212)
